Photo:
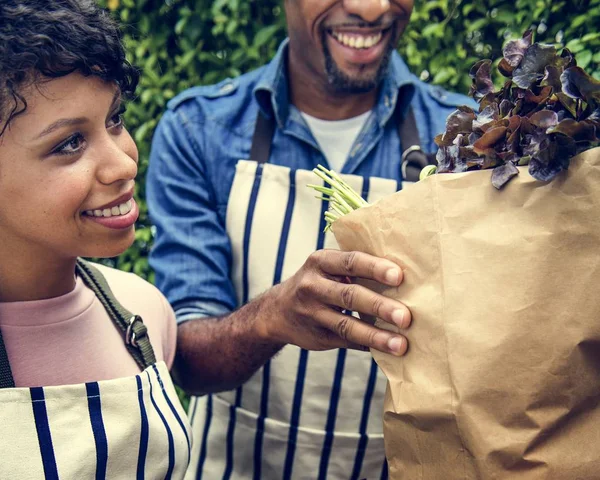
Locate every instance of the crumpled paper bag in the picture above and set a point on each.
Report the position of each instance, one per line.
(502, 376)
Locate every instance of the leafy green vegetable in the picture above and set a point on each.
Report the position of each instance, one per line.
(547, 112)
(341, 197)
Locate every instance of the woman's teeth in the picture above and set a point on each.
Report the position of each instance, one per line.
(357, 41)
(122, 209)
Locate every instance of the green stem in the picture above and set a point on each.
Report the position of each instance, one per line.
(341, 197)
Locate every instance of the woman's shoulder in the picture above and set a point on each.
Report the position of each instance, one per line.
(122, 282)
(142, 298)
(135, 293)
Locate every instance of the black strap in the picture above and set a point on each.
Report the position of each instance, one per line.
(264, 129)
(413, 158)
(132, 326)
(6, 378)
(407, 129)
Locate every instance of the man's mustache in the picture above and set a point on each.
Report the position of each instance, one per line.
(386, 21)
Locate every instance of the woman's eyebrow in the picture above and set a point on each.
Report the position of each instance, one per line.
(63, 122)
(70, 122)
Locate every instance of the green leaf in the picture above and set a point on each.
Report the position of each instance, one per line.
(584, 58)
(434, 30)
(264, 35)
(443, 76)
(575, 45)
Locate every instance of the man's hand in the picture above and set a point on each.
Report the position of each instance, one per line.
(306, 310)
(215, 354)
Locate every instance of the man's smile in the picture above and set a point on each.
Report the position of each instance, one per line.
(356, 45)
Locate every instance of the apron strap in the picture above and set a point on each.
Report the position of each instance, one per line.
(6, 378)
(414, 159)
(132, 326)
(264, 129)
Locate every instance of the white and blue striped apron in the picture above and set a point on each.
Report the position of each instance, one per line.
(127, 428)
(304, 415)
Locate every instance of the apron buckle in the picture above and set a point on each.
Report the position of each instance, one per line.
(135, 330)
(414, 159)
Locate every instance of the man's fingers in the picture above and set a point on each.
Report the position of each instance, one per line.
(358, 264)
(357, 298)
(356, 346)
(355, 332)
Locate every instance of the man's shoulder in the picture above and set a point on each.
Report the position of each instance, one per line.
(429, 97)
(432, 105)
(435, 97)
(228, 105)
(229, 94)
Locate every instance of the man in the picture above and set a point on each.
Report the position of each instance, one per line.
(228, 229)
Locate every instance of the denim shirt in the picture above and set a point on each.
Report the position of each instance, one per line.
(207, 129)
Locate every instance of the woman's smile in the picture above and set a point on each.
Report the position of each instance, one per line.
(118, 217)
(118, 214)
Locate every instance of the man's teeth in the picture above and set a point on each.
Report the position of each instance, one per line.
(122, 209)
(357, 41)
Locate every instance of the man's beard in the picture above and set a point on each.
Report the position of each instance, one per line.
(343, 83)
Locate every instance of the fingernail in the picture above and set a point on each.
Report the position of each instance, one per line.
(392, 276)
(385, 3)
(398, 317)
(396, 344)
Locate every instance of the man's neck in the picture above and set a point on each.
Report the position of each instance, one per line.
(311, 95)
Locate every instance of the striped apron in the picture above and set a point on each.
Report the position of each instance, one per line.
(304, 415)
(128, 428)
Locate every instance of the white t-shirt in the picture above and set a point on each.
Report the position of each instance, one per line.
(336, 137)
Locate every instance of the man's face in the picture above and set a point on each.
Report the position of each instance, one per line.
(346, 43)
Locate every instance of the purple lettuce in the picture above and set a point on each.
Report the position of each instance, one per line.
(547, 111)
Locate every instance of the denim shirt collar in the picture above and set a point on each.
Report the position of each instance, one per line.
(272, 90)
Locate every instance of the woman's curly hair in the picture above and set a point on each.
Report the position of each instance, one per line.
(43, 39)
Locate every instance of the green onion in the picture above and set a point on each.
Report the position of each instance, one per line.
(341, 197)
(427, 171)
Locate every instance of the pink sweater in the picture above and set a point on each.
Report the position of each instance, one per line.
(71, 339)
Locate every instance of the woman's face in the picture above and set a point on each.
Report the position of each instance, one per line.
(67, 169)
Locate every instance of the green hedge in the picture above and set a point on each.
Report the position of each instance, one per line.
(181, 43)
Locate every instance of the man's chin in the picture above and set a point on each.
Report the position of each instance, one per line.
(345, 83)
(355, 80)
(352, 79)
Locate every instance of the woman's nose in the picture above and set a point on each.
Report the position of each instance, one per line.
(368, 10)
(118, 160)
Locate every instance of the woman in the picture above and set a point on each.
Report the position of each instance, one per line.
(84, 385)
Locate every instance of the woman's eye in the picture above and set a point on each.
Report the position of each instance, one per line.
(116, 121)
(72, 145)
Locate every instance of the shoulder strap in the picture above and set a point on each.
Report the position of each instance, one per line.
(414, 159)
(6, 378)
(262, 138)
(132, 326)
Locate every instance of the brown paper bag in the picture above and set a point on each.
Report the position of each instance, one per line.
(502, 376)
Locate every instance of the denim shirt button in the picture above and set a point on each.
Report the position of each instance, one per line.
(228, 87)
(439, 92)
